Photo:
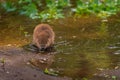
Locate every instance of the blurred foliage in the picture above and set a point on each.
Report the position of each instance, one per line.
(101, 8)
(54, 9)
(8, 6)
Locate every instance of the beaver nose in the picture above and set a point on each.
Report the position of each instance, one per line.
(42, 49)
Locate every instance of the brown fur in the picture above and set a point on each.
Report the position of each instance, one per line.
(43, 36)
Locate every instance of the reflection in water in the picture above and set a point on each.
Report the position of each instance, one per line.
(88, 45)
(88, 52)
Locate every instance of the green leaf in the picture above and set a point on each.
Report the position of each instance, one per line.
(8, 6)
(114, 77)
(46, 71)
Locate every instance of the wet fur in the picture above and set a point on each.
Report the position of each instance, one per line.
(43, 36)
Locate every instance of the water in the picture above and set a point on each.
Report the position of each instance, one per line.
(84, 47)
(91, 46)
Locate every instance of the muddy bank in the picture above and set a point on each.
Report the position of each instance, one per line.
(108, 75)
(18, 64)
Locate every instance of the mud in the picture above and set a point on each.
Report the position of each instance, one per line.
(18, 64)
(108, 75)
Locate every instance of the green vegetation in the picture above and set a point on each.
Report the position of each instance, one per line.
(114, 77)
(50, 72)
(2, 60)
(54, 9)
(102, 8)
